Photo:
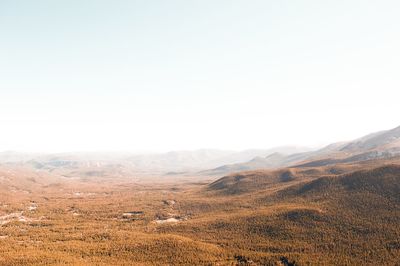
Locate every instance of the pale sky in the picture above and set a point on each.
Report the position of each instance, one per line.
(156, 75)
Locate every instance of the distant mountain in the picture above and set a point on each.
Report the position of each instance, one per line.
(274, 160)
(379, 145)
(201, 159)
(388, 140)
(108, 164)
(383, 144)
(270, 161)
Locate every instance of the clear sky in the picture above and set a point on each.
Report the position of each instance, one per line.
(158, 75)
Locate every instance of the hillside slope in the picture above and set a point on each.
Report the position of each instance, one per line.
(345, 214)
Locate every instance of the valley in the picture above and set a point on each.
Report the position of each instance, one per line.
(310, 216)
(320, 211)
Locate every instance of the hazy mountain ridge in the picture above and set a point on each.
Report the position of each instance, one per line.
(174, 161)
(383, 144)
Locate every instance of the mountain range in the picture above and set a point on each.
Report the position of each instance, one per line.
(383, 144)
(207, 162)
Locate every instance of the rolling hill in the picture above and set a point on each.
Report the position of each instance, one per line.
(347, 213)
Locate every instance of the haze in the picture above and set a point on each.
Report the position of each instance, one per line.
(173, 75)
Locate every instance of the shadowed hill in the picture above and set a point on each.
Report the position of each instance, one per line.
(255, 180)
(384, 181)
(249, 181)
(345, 214)
(258, 180)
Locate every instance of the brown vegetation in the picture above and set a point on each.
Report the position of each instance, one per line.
(347, 214)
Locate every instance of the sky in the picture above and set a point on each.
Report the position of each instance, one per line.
(157, 75)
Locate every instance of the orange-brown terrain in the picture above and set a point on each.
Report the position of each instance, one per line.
(347, 214)
(324, 210)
